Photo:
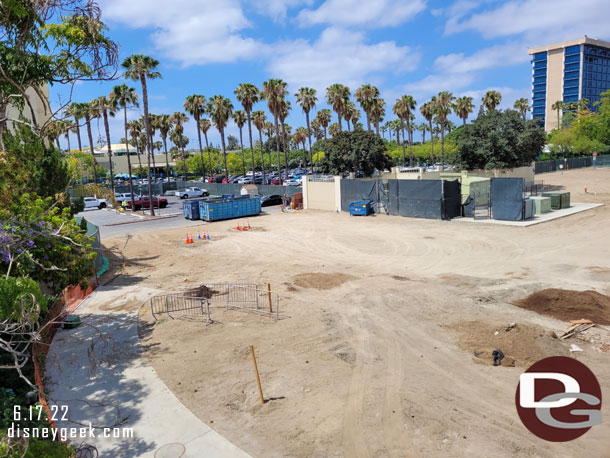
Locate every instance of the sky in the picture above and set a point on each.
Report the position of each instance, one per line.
(415, 47)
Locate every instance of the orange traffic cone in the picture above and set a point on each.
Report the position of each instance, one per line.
(191, 239)
(187, 239)
(237, 227)
(249, 225)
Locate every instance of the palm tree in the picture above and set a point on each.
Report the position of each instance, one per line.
(463, 107)
(76, 111)
(323, 118)
(178, 119)
(377, 112)
(423, 128)
(140, 67)
(107, 106)
(220, 109)
(67, 128)
(333, 129)
(307, 98)
(248, 94)
(427, 111)
(89, 113)
(444, 102)
(260, 118)
(403, 108)
(349, 113)
(163, 123)
(300, 136)
(283, 114)
(124, 96)
(522, 105)
(491, 100)
(274, 91)
(204, 125)
(135, 131)
(559, 106)
(355, 116)
(153, 131)
(239, 116)
(194, 105)
(365, 96)
(384, 129)
(337, 96)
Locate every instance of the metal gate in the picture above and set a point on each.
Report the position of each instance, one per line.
(176, 304)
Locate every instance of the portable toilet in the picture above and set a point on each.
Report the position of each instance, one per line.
(250, 190)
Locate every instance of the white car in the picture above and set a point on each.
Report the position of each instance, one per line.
(94, 202)
(191, 192)
(121, 196)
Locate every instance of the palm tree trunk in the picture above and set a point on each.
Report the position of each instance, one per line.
(325, 137)
(183, 162)
(309, 137)
(133, 207)
(167, 172)
(200, 150)
(91, 148)
(377, 128)
(209, 155)
(431, 142)
(410, 131)
(260, 134)
(442, 149)
(402, 126)
(138, 153)
(224, 153)
(243, 155)
(339, 118)
(80, 148)
(251, 148)
(368, 121)
(277, 146)
(149, 145)
(57, 143)
(107, 128)
(67, 138)
(285, 150)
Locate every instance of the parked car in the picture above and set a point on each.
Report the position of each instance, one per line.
(144, 202)
(273, 199)
(293, 182)
(94, 202)
(121, 196)
(191, 192)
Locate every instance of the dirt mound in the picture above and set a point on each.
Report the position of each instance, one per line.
(319, 280)
(521, 344)
(569, 305)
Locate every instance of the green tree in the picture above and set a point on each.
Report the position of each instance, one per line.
(491, 100)
(377, 112)
(107, 107)
(558, 106)
(74, 111)
(307, 98)
(427, 111)
(164, 124)
(444, 102)
(204, 125)
(365, 95)
(260, 118)
(195, 106)
(337, 96)
(274, 91)
(354, 151)
(522, 105)
(323, 118)
(403, 108)
(463, 107)
(177, 136)
(239, 116)
(248, 94)
(220, 109)
(499, 140)
(143, 68)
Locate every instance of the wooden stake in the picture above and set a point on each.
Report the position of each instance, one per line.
(258, 379)
(269, 295)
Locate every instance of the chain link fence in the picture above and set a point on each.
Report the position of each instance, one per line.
(571, 163)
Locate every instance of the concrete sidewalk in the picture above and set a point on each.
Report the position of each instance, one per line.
(116, 384)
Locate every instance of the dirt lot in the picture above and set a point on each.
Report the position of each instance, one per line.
(386, 325)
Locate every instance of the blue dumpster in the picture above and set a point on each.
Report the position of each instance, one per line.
(190, 209)
(219, 209)
(360, 208)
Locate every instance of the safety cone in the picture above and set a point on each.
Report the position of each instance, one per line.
(249, 225)
(191, 239)
(207, 236)
(198, 235)
(187, 239)
(237, 227)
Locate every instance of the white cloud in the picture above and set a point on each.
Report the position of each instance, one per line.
(339, 56)
(369, 14)
(486, 58)
(539, 20)
(277, 9)
(189, 32)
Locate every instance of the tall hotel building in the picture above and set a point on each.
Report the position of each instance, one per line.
(568, 71)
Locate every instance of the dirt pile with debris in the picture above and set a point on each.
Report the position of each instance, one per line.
(522, 344)
(569, 305)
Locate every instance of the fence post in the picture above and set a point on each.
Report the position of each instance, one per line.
(258, 379)
(269, 296)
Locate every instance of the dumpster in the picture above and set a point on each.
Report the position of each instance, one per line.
(543, 204)
(190, 209)
(219, 209)
(360, 208)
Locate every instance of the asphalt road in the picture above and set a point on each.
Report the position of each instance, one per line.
(113, 224)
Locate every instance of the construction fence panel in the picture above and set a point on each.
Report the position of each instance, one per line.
(420, 198)
(452, 199)
(357, 190)
(393, 204)
(507, 199)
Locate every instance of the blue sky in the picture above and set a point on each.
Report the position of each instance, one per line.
(416, 47)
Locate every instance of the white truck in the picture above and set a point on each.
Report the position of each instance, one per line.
(191, 192)
(94, 202)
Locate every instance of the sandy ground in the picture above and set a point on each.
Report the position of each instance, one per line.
(374, 354)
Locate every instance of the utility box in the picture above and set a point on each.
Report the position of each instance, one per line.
(542, 204)
(559, 199)
(360, 208)
(529, 208)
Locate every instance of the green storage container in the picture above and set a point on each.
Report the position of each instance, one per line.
(543, 204)
(559, 199)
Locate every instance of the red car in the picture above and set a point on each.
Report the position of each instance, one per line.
(145, 203)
